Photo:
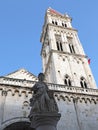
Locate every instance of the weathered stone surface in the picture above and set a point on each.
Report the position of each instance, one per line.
(14, 107)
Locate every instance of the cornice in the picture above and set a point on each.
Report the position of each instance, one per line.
(76, 98)
(71, 54)
(61, 92)
(61, 27)
(46, 27)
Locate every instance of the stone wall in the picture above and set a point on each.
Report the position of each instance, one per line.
(78, 106)
(14, 104)
(78, 112)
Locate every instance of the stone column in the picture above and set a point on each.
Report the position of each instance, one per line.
(45, 121)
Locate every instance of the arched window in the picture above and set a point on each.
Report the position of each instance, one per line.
(64, 25)
(83, 82)
(58, 48)
(52, 22)
(56, 23)
(61, 48)
(71, 46)
(59, 43)
(67, 80)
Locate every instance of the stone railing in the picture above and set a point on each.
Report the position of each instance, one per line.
(16, 82)
(54, 87)
(73, 89)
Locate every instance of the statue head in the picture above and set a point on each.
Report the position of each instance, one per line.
(41, 77)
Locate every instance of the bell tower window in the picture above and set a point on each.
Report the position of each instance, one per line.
(83, 82)
(56, 23)
(71, 46)
(59, 43)
(67, 81)
(52, 22)
(61, 48)
(57, 46)
(64, 25)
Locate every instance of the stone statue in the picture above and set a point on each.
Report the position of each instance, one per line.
(42, 99)
(44, 111)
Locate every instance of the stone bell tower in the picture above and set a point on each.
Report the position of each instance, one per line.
(63, 57)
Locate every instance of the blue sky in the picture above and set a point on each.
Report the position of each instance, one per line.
(21, 24)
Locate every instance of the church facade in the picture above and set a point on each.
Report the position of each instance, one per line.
(67, 73)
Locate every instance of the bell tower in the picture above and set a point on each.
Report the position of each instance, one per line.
(64, 60)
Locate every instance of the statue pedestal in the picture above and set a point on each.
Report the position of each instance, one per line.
(45, 121)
